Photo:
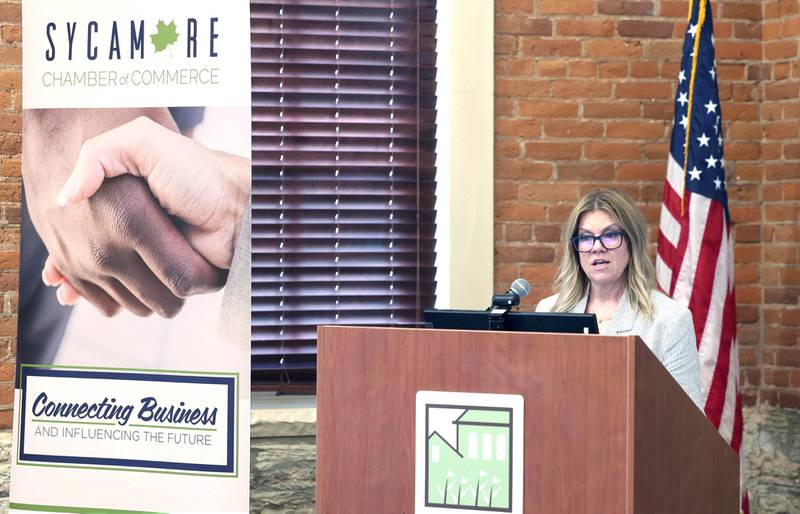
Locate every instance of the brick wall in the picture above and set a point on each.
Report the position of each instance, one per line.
(584, 97)
(10, 137)
(780, 194)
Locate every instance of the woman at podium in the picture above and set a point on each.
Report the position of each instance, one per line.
(605, 270)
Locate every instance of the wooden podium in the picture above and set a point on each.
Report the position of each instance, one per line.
(607, 429)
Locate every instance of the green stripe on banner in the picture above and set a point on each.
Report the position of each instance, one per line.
(170, 427)
(73, 422)
(80, 510)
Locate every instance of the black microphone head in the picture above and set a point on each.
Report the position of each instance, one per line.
(520, 287)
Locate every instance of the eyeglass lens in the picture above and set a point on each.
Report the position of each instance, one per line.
(609, 240)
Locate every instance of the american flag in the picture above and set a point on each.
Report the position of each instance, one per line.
(695, 249)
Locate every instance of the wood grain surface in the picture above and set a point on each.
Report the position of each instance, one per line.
(579, 392)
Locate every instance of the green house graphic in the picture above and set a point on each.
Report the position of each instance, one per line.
(474, 471)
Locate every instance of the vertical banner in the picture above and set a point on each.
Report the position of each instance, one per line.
(133, 377)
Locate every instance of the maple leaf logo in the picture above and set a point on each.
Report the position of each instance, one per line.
(165, 35)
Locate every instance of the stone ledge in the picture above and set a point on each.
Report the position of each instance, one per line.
(291, 422)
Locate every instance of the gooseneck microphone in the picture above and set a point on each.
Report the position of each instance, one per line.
(502, 303)
(519, 289)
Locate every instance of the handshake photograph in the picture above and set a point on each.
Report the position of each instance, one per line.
(137, 212)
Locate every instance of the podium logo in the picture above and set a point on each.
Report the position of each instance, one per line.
(469, 452)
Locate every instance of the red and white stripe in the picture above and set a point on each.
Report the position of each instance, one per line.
(694, 266)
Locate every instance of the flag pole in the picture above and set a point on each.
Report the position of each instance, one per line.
(701, 18)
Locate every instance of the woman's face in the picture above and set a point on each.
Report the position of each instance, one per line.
(603, 267)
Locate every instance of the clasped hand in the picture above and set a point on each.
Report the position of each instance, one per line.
(106, 222)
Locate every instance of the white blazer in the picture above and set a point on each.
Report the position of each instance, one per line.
(670, 336)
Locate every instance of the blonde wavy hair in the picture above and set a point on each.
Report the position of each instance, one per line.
(572, 284)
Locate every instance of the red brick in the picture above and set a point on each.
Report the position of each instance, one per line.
(751, 376)
(644, 70)
(782, 90)
(559, 212)
(506, 147)
(771, 192)
(776, 377)
(644, 29)
(518, 232)
(6, 417)
(586, 171)
(10, 12)
(658, 111)
(782, 212)
(637, 171)
(582, 69)
(630, 7)
(786, 130)
(611, 110)
(639, 130)
(613, 70)
(730, 71)
(601, 150)
(546, 150)
(521, 88)
(519, 67)
(539, 275)
(561, 7)
(585, 27)
(611, 48)
(11, 213)
(514, 6)
(747, 30)
(674, 9)
(789, 399)
(11, 33)
(743, 11)
(10, 78)
(791, 191)
(505, 45)
(742, 111)
(550, 47)
(748, 294)
(572, 129)
(11, 168)
(738, 50)
(580, 89)
(642, 89)
(8, 328)
(10, 122)
(772, 30)
(503, 107)
(743, 213)
(780, 50)
(520, 128)
(547, 233)
(522, 170)
(745, 274)
(520, 211)
(553, 69)
(745, 130)
(784, 295)
(664, 50)
(748, 253)
(791, 28)
(525, 253)
(782, 171)
(523, 25)
(9, 260)
(790, 276)
(547, 109)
